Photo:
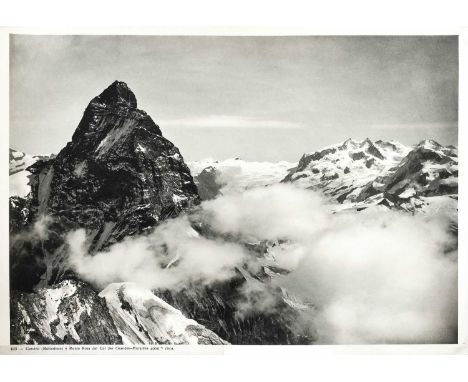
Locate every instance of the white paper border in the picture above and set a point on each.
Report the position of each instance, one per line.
(460, 348)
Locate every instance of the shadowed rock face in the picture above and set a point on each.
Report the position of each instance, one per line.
(19, 210)
(117, 177)
(215, 308)
(207, 183)
(117, 169)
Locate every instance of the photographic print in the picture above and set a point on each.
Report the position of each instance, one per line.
(233, 190)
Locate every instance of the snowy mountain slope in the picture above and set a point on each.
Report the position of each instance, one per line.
(341, 171)
(66, 313)
(20, 188)
(143, 318)
(359, 174)
(235, 175)
(427, 175)
(19, 181)
(19, 161)
(429, 169)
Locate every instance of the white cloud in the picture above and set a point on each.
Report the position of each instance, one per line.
(172, 255)
(229, 121)
(281, 211)
(380, 277)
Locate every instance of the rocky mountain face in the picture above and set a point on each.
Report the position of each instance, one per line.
(119, 172)
(117, 177)
(216, 306)
(66, 313)
(208, 183)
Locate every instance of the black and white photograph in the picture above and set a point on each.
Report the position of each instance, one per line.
(217, 190)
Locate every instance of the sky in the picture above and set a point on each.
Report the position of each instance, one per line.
(257, 98)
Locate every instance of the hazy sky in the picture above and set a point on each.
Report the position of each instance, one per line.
(258, 98)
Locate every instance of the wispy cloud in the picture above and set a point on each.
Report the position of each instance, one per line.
(423, 125)
(230, 121)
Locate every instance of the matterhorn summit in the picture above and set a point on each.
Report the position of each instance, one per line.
(117, 177)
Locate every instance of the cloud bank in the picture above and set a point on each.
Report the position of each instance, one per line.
(172, 256)
(230, 121)
(377, 276)
(380, 277)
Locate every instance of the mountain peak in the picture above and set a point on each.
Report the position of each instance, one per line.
(118, 172)
(356, 144)
(117, 93)
(429, 143)
(349, 142)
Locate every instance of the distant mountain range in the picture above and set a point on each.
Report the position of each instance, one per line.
(353, 174)
(366, 173)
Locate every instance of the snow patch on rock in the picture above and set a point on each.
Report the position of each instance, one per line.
(143, 318)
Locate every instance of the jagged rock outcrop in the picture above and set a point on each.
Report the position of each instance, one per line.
(208, 184)
(143, 318)
(19, 213)
(117, 177)
(66, 313)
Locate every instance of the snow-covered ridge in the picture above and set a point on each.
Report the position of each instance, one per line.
(342, 170)
(19, 181)
(358, 174)
(143, 318)
(356, 145)
(429, 170)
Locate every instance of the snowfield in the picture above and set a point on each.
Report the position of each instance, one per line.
(237, 175)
